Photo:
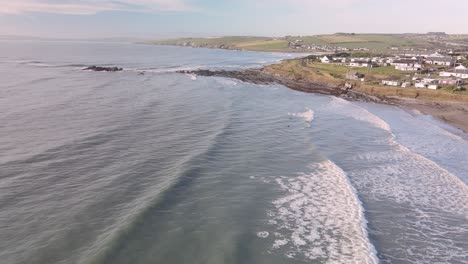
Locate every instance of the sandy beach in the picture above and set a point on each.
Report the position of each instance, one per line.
(453, 113)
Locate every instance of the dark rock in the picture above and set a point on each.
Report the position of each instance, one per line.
(101, 69)
(258, 76)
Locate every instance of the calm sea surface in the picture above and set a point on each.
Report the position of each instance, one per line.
(171, 168)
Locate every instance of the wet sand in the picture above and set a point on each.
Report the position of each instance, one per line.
(453, 113)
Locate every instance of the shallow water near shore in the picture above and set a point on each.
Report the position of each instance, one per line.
(120, 167)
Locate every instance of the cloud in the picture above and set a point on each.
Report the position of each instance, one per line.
(89, 7)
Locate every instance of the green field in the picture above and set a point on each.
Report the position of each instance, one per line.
(382, 43)
(333, 74)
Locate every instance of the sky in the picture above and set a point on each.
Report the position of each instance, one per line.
(152, 19)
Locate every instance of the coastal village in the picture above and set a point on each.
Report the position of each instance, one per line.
(430, 71)
(400, 66)
(430, 61)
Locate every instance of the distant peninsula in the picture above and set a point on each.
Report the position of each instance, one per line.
(339, 42)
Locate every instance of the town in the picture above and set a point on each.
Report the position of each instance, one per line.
(430, 71)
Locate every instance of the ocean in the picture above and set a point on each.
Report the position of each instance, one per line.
(163, 167)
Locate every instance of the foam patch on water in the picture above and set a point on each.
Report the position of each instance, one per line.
(263, 234)
(226, 82)
(193, 77)
(428, 137)
(166, 69)
(320, 218)
(409, 178)
(427, 204)
(307, 116)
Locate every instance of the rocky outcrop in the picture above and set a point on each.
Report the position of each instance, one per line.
(259, 76)
(103, 69)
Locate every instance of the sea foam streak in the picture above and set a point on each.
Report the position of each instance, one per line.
(307, 116)
(321, 218)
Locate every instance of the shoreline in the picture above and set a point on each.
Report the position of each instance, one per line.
(453, 113)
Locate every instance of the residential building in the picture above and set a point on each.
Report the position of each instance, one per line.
(440, 60)
(450, 81)
(408, 68)
(459, 73)
(403, 63)
(420, 85)
(391, 83)
(362, 63)
(325, 59)
(406, 84)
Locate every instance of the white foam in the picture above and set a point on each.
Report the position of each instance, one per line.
(321, 218)
(346, 108)
(193, 77)
(166, 70)
(307, 116)
(428, 204)
(226, 82)
(409, 178)
(263, 234)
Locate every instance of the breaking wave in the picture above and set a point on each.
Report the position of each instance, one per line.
(343, 107)
(307, 116)
(321, 218)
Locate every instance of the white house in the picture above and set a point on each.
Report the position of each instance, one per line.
(406, 84)
(461, 73)
(429, 81)
(408, 68)
(325, 59)
(391, 83)
(362, 63)
(440, 60)
(420, 85)
(403, 63)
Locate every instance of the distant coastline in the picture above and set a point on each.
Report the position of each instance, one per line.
(339, 42)
(312, 76)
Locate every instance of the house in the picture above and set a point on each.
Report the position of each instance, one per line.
(445, 82)
(408, 68)
(459, 73)
(403, 63)
(420, 85)
(362, 63)
(406, 84)
(440, 60)
(391, 83)
(340, 59)
(430, 81)
(325, 59)
(353, 75)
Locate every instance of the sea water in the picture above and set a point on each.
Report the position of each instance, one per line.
(162, 167)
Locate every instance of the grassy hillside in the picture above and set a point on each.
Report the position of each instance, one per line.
(335, 75)
(372, 42)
